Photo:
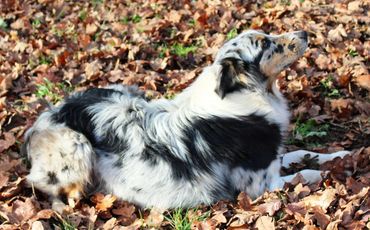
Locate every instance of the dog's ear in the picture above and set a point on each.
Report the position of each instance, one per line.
(229, 79)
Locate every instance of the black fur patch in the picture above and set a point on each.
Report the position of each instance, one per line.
(250, 142)
(291, 47)
(52, 178)
(250, 180)
(224, 190)
(266, 44)
(155, 152)
(228, 81)
(279, 49)
(75, 114)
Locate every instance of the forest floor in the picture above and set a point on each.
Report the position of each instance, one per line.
(49, 49)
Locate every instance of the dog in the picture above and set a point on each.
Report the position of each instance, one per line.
(222, 135)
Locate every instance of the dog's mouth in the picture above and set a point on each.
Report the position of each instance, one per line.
(302, 43)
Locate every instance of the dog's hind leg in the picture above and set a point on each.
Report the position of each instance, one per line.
(62, 161)
(297, 156)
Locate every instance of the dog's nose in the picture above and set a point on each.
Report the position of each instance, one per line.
(303, 35)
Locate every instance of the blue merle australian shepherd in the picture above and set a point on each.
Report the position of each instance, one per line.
(222, 135)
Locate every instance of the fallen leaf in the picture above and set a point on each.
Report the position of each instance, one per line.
(322, 199)
(37, 225)
(355, 7)
(155, 218)
(244, 201)
(265, 223)
(126, 213)
(174, 16)
(91, 29)
(22, 211)
(322, 219)
(241, 219)
(8, 141)
(110, 224)
(298, 210)
(270, 207)
(337, 34)
(219, 217)
(92, 69)
(103, 202)
(322, 61)
(363, 81)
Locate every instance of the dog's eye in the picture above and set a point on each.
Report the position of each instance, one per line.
(265, 43)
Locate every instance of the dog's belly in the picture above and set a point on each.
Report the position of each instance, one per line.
(148, 185)
(154, 185)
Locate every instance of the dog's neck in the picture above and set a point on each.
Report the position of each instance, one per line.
(200, 100)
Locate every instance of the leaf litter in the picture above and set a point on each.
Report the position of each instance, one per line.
(49, 49)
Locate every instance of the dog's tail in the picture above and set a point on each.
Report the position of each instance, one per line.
(62, 160)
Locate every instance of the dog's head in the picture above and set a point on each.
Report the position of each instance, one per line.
(254, 57)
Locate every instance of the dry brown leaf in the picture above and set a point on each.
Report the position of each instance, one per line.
(22, 211)
(126, 213)
(355, 7)
(322, 199)
(103, 203)
(115, 75)
(84, 40)
(270, 207)
(342, 106)
(43, 214)
(155, 218)
(8, 141)
(18, 24)
(322, 61)
(322, 219)
(244, 201)
(301, 190)
(174, 16)
(265, 223)
(337, 34)
(241, 219)
(92, 69)
(298, 210)
(37, 225)
(333, 225)
(3, 179)
(110, 224)
(12, 188)
(219, 217)
(209, 224)
(91, 29)
(20, 47)
(363, 81)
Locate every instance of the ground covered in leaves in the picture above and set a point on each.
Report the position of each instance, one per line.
(51, 48)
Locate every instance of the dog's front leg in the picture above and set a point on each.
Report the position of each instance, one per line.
(310, 175)
(297, 156)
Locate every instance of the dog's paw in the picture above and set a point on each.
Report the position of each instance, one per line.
(340, 154)
(60, 207)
